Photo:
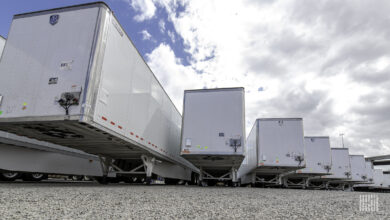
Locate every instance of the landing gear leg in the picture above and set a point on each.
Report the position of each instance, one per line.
(149, 165)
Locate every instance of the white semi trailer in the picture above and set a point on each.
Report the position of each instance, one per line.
(318, 163)
(213, 132)
(33, 160)
(379, 180)
(2, 43)
(369, 170)
(386, 180)
(84, 85)
(358, 169)
(340, 171)
(275, 147)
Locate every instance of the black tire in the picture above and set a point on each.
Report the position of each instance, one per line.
(212, 182)
(9, 176)
(36, 177)
(115, 180)
(128, 179)
(148, 180)
(102, 180)
(203, 183)
(39, 177)
(236, 184)
(169, 181)
(77, 178)
(194, 179)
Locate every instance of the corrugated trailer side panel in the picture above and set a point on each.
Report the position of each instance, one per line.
(317, 155)
(131, 101)
(250, 161)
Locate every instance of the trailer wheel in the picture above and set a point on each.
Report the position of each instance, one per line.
(202, 183)
(115, 180)
(102, 180)
(10, 176)
(38, 176)
(194, 179)
(169, 181)
(128, 179)
(34, 177)
(148, 180)
(236, 184)
(77, 178)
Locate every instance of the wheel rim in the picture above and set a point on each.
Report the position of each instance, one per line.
(37, 175)
(10, 175)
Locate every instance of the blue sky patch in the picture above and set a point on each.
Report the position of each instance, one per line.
(124, 13)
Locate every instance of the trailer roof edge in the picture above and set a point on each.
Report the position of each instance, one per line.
(62, 8)
(271, 119)
(214, 89)
(316, 137)
(339, 148)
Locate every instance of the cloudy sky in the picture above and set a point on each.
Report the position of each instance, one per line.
(325, 61)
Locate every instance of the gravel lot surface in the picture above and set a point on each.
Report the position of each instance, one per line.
(93, 201)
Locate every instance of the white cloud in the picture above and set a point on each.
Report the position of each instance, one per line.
(145, 8)
(161, 24)
(325, 61)
(172, 74)
(172, 36)
(146, 35)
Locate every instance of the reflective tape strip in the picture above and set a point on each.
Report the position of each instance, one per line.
(131, 133)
